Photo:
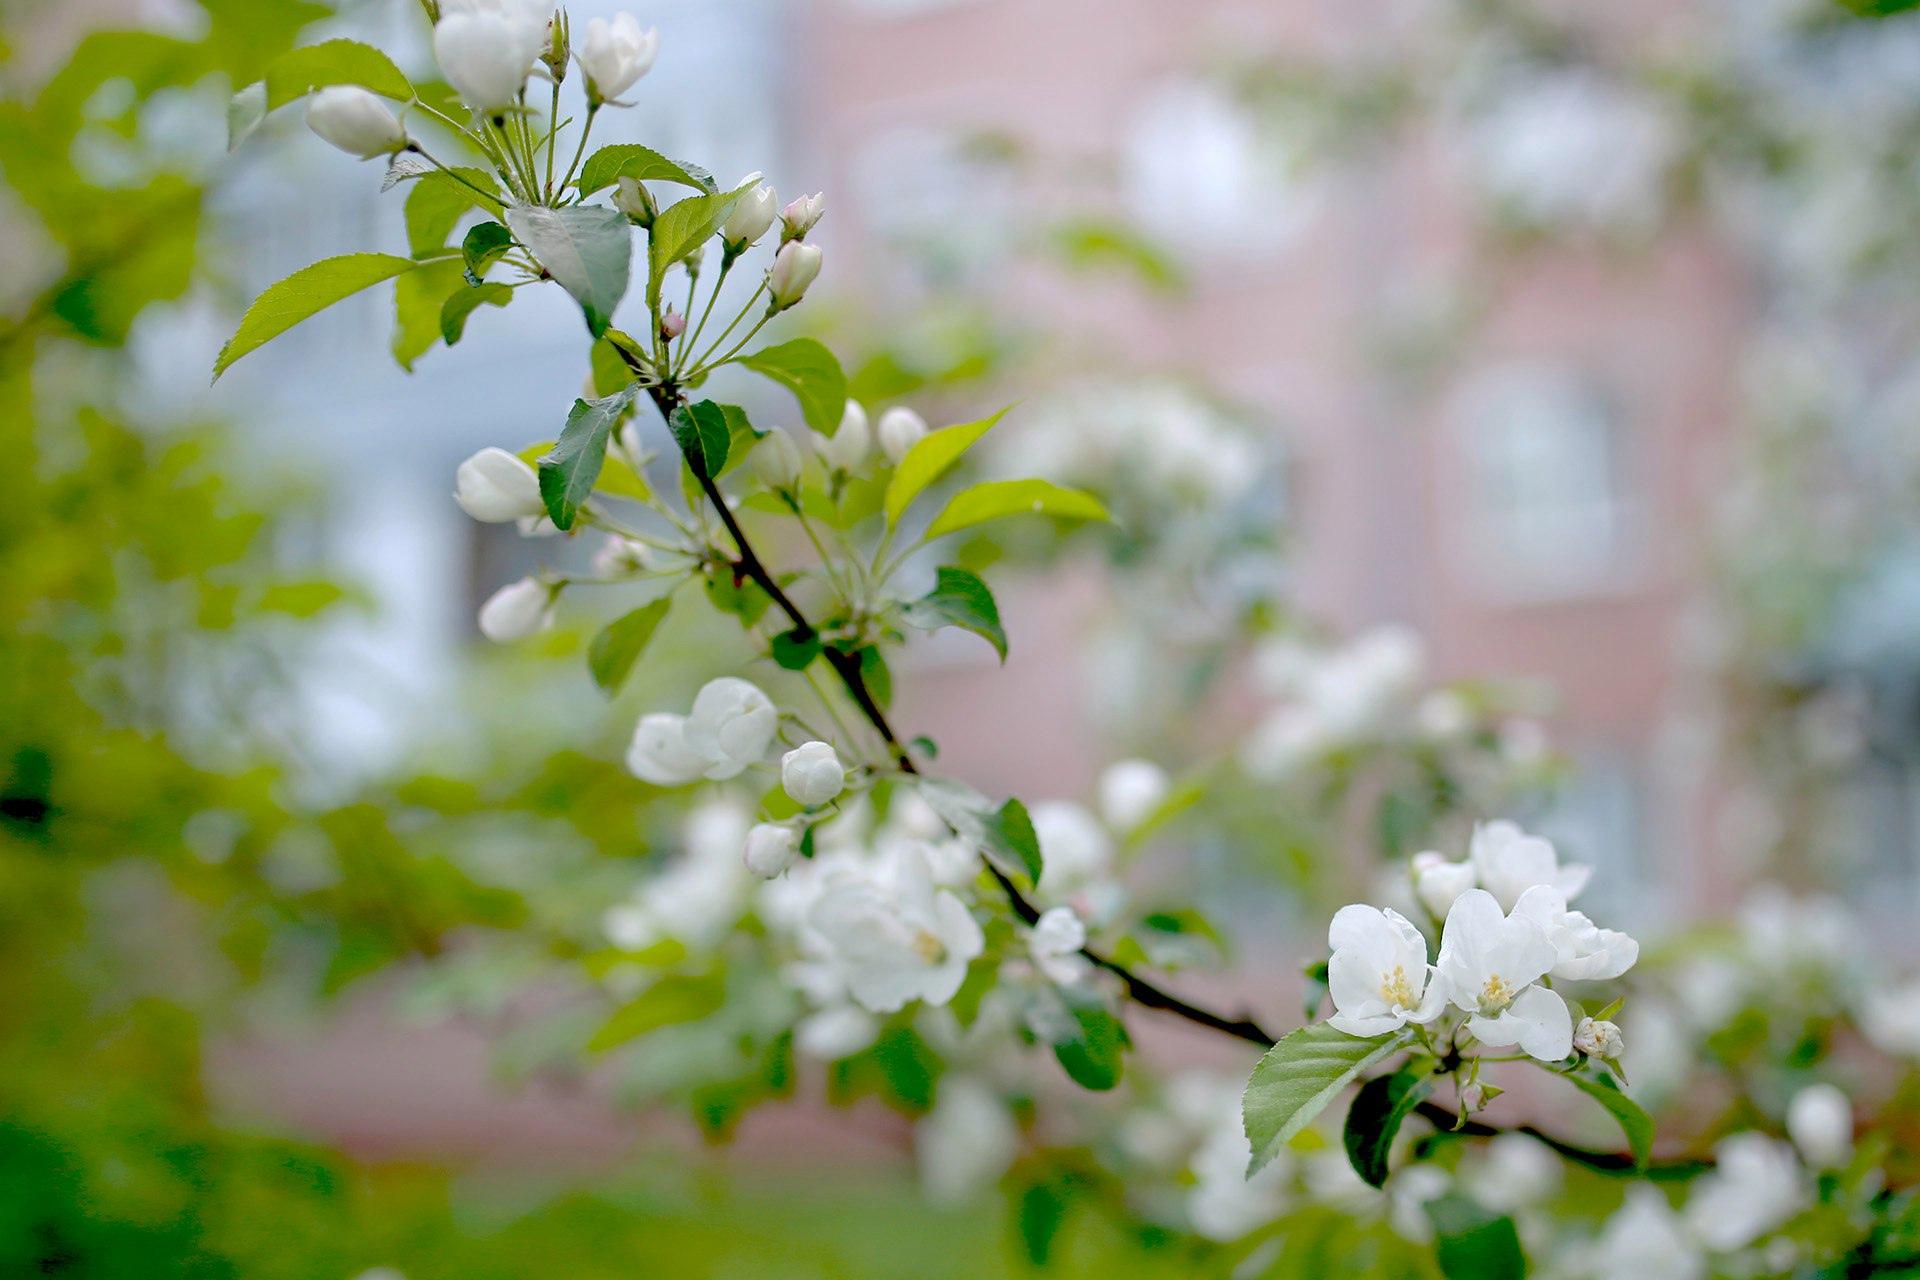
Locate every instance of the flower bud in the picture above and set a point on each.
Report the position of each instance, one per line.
(494, 486)
(486, 48)
(355, 121)
(777, 460)
(1130, 790)
(1473, 1097)
(1437, 882)
(618, 557)
(672, 324)
(559, 46)
(900, 429)
(616, 54)
(812, 774)
(517, 610)
(631, 197)
(771, 849)
(732, 724)
(749, 220)
(1598, 1039)
(794, 268)
(1820, 1122)
(660, 754)
(800, 215)
(846, 449)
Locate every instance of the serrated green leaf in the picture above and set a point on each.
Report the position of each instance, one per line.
(675, 998)
(568, 473)
(305, 293)
(454, 313)
(1374, 1119)
(1298, 1077)
(587, 248)
(995, 499)
(930, 459)
(680, 230)
(1090, 1042)
(1004, 833)
(1634, 1122)
(959, 599)
(1474, 1243)
(298, 72)
(704, 435)
(630, 160)
(619, 644)
(807, 369)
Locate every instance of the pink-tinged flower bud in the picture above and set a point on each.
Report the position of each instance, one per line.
(749, 220)
(672, 324)
(900, 429)
(771, 849)
(794, 268)
(631, 197)
(800, 215)
(355, 121)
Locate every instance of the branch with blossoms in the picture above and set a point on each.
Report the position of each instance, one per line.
(1415, 1012)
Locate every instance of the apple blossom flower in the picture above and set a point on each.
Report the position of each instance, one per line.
(900, 429)
(1598, 1038)
(1224, 1203)
(749, 220)
(894, 937)
(615, 54)
(1508, 862)
(794, 268)
(699, 896)
(517, 610)
(1820, 1122)
(619, 557)
(631, 197)
(1645, 1240)
(800, 215)
(1587, 952)
(732, 724)
(494, 486)
(776, 460)
(1890, 1018)
(847, 448)
(355, 121)
(1054, 943)
(1513, 1171)
(1437, 881)
(1075, 851)
(1490, 963)
(965, 1143)
(672, 324)
(487, 48)
(1130, 790)
(770, 848)
(1378, 975)
(835, 1032)
(1755, 1186)
(660, 753)
(812, 774)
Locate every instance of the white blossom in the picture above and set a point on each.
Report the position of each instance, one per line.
(1378, 975)
(355, 121)
(800, 215)
(1490, 963)
(517, 610)
(770, 849)
(1586, 952)
(1820, 1122)
(1075, 851)
(847, 448)
(615, 54)
(749, 220)
(1890, 1017)
(794, 269)
(900, 429)
(835, 1032)
(732, 724)
(631, 197)
(1755, 1186)
(894, 937)
(486, 48)
(776, 460)
(1598, 1038)
(812, 774)
(1054, 943)
(965, 1143)
(1508, 862)
(660, 753)
(1645, 1240)
(1437, 882)
(701, 893)
(1130, 791)
(495, 486)
(1224, 1203)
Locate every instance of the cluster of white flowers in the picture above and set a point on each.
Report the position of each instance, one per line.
(1506, 932)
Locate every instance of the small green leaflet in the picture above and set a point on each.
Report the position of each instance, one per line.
(1090, 1042)
(1634, 1122)
(453, 315)
(305, 293)
(997, 498)
(675, 998)
(796, 652)
(1005, 834)
(1374, 1119)
(930, 459)
(630, 160)
(1298, 1078)
(681, 229)
(588, 248)
(704, 435)
(568, 473)
(809, 370)
(485, 244)
(1474, 1243)
(611, 655)
(959, 599)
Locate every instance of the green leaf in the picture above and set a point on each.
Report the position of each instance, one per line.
(1298, 1078)
(245, 112)
(485, 243)
(1474, 1243)
(630, 160)
(568, 473)
(620, 643)
(1005, 834)
(611, 372)
(436, 203)
(306, 292)
(298, 72)
(1090, 1042)
(675, 998)
(419, 300)
(1040, 1208)
(807, 369)
(454, 313)
(1634, 1122)
(959, 599)
(793, 652)
(997, 498)
(703, 434)
(930, 459)
(879, 680)
(742, 435)
(681, 229)
(586, 247)
(1374, 1120)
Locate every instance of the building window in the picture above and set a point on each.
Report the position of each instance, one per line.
(1546, 511)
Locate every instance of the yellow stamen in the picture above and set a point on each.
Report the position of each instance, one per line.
(1395, 989)
(1496, 995)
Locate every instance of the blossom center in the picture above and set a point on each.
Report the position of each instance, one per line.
(928, 947)
(1496, 994)
(1395, 989)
